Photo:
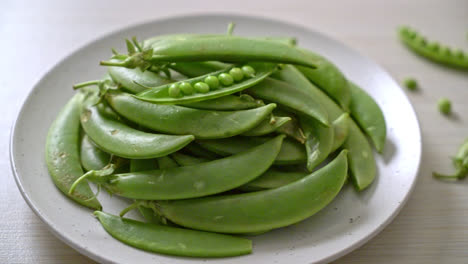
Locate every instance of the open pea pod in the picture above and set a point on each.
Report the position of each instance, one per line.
(173, 240)
(181, 120)
(194, 181)
(262, 210)
(291, 151)
(164, 95)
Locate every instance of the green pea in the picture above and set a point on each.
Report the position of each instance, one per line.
(445, 106)
(411, 84)
(248, 71)
(201, 87)
(174, 90)
(236, 74)
(226, 79)
(212, 82)
(186, 88)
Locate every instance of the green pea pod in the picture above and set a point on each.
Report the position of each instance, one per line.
(263, 210)
(162, 95)
(230, 49)
(194, 181)
(432, 51)
(268, 126)
(199, 152)
(183, 120)
(128, 78)
(362, 167)
(368, 115)
(319, 141)
(197, 68)
(271, 179)
(291, 151)
(173, 240)
(62, 154)
(226, 103)
(121, 140)
(166, 163)
(187, 160)
(340, 130)
(92, 158)
(329, 79)
(291, 97)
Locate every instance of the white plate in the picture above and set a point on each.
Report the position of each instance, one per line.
(347, 223)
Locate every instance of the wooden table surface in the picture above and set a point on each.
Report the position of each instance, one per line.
(432, 227)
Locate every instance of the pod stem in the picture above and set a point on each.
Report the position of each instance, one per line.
(113, 63)
(230, 28)
(86, 84)
(459, 174)
(100, 176)
(131, 207)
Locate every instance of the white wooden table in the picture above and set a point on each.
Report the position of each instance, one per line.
(433, 226)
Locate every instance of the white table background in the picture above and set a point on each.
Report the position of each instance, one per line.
(433, 226)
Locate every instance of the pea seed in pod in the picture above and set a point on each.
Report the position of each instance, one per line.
(248, 71)
(212, 82)
(226, 79)
(174, 90)
(236, 74)
(186, 88)
(201, 87)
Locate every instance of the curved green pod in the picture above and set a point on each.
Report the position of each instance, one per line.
(62, 153)
(340, 130)
(227, 103)
(253, 212)
(173, 240)
(92, 158)
(121, 140)
(271, 179)
(369, 116)
(432, 51)
(268, 126)
(197, 180)
(181, 120)
(161, 94)
(291, 152)
(329, 79)
(128, 78)
(291, 97)
(319, 141)
(187, 160)
(363, 168)
(166, 162)
(199, 152)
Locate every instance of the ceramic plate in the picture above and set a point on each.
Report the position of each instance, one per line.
(347, 223)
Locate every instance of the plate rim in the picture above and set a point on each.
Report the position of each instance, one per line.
(83, 249)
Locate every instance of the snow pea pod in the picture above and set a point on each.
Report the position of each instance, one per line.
(268, 126)
(199, 152)
(121, 140)
(226, 103)
(291, 97)
(187, 160)
(361, 160)
(62, 153)
(183, 120)
(197, 180)
(271, 179)
(368, 115)
(173, 240)
(92, 158)
(162, 94)
(166, 163)
(291, 151)
(329, 79)
(253, 212)
(128, 78)
(340, 130)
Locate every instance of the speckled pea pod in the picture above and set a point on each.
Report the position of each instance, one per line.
(268, 126)
(340, 130)
(194, 181)
(368, 115)
(62, 153)
(172, 240)
(119, 139)
(291, 151)
(319, 141)
(363, 168)
(291, 97)
(329, 79)
(252, 212)
(183, 120)
(174, 93)
(432, 51)
(92, 158)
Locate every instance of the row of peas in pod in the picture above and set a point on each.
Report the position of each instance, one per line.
(204, 134)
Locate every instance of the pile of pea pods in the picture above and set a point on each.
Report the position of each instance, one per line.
(213, 138)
